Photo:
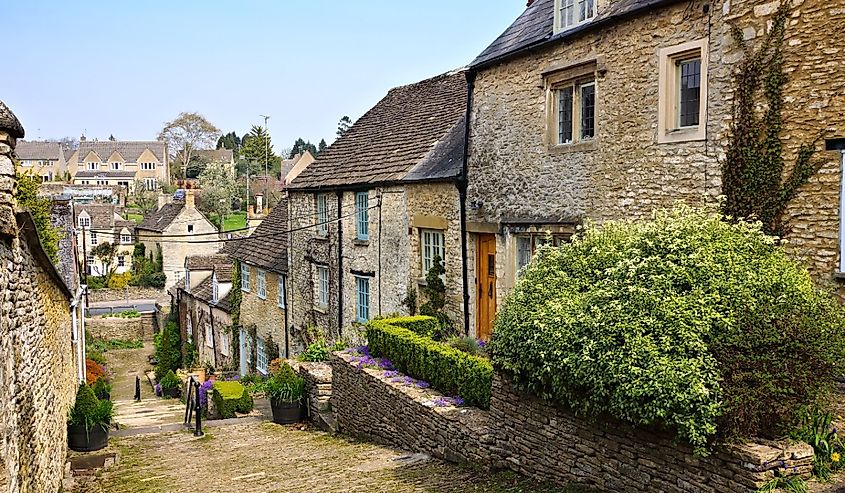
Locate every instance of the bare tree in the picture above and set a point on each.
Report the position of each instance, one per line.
(143, 199)
(105, 252)
(186, 133)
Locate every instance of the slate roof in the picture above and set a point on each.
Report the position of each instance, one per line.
(204, 262)
(223, 155)
(9, 122)
(267, 246)
(223, 271)
(406, 127)
(205, 291)
(102, 215)
(159, 220)
(130, 150)
(536, 27)
(104, 174)
(36, 150)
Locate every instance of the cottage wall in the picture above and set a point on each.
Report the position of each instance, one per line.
(37, 373)
(265, 314)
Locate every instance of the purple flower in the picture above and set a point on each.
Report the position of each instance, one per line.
(396, 380)
(390, 373)
(441, 402)
(204, 388)
(482, 343)
(423, 385)
(158, 390)
(386, 364)
(408, 381)
(457, 401)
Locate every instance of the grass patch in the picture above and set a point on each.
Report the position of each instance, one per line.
(136, 218)
(102, 346)
(234, 221)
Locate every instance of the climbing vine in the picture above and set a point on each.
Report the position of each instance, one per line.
(236, 312)
(753, 181)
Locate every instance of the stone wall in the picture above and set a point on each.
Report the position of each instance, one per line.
(130, 293)
(126, 329)
(534, 438)
(37, 363)
(318, 389)
(265, 314)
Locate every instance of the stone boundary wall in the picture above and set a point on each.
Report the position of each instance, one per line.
(536, 439)
(318, 389)
(120, 328)
(128, 294)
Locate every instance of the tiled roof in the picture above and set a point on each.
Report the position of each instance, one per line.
(105, 174)
(204, 262)
(9, 122)
(393, 137)
(102, 215)
(34, 150)
(223, 155)
(223, 271)
(536, 26)
(205, 291)
(130, 150)
(267, 246)
(159, 220)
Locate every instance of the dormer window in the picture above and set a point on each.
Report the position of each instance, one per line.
(570, 13)
(84, 222)
(93, 166)
(215, 289)
(115, 166)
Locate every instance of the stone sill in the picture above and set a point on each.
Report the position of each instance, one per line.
(321, 238)
(361, 243)
(321, 309)
(839, 276)
(582, 146)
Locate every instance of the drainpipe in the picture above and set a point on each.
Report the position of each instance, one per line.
(379, 250)
(80, 360)
(339, 262)
(287, 308)
(84, 301)
(463, 182)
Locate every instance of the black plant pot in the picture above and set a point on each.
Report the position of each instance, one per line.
(287, 413)
(175, 393)
(82, 440)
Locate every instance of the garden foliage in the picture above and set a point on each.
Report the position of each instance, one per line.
(89, 411)
(285, 385)
(685, 321)
(231, 397)
(167, 349)
(447, 369)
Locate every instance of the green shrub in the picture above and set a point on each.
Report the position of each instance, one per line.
(95, 283)
(168, 352)
(285, 385)
(231, 397)
(88, 411)
(101, 388)
(170, 381)
(445, 368)
(685, 321)
(102, 345)
(419, 324)
(467, 344)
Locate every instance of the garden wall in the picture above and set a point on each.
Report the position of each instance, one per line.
(318, 389)
(130, 293)
(534, 438)
(127, 329)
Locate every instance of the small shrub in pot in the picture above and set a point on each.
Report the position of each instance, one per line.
(286, 391)
(89, 421)
(171, 386)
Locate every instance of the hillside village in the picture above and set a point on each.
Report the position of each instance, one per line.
(606, 254)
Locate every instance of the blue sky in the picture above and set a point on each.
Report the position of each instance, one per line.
(125, 68)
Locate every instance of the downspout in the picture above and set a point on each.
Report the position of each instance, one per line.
(462, 184)
(84, 301)
(339, 263)
(287, 308)
(80, 361)
(379, 252)
(213, 341)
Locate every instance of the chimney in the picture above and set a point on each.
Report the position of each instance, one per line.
(164, 199)
(259, 203)
(10, 131)
(529, 3)
(189, 198)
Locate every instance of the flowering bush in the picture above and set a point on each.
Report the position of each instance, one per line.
(441, 366)
(204, 388)
(685, 321)
(93, 371)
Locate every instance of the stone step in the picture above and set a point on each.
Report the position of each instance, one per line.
(329, 422)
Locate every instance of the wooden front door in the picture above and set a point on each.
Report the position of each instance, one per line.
(485, 285)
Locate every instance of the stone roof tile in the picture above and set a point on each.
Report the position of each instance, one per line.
(267, 246)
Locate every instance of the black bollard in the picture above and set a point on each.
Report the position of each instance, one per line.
(137, 388)
(198, 432)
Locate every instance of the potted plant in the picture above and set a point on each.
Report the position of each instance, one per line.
(171, 386)
(286, 391)
(89, 421)
(102, 389)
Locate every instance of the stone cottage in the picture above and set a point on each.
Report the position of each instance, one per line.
(375, 208)
(102, 223)
(608, 109)
(39, 362)
(179, 229)
(205, 308)
(262, 260)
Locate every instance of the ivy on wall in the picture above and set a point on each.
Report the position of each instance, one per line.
(236, 297)
(753, 180)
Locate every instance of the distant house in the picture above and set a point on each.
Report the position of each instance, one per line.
(101, 223)
(374, 210)
(204, 301)
(45, 160)
(224, 156)
(263, 262)
(179, 229)
(120, 163)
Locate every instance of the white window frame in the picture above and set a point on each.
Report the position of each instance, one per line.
(283, 288)
(261, 356)
(209, 334)
(126, 239)
(148, 166)
(321, 204)
(322, 298)
(93, 166)
(115, 166)
(225, 343)
(668, 110)
(245, 278)
(150, 184)
(262, 284)
(215, 289)
(121, 260)
(362, 216)
(583, 11)
(84, 222)
(362, 299)
(94, 239)
(576, 86)
(432, 243)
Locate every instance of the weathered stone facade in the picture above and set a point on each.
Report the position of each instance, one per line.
(127, 294)
(264, 314)
(37, 374)
(390, 259)
(534, 438)
(519, 181)
(125, 329)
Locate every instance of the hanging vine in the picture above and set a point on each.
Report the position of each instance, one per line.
(753, 181)
(234, 329)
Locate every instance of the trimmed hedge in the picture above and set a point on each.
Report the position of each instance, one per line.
(231, 397)
(419, 324)
(686, 321)
(447, 369)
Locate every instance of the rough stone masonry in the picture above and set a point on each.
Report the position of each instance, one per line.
(37, 377)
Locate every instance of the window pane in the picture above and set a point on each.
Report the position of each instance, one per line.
(567, 12)
(362, 200)
(363, 290)
(322, 214)
(588, 111)
(523, 251)
(689, 73)
(564, 120)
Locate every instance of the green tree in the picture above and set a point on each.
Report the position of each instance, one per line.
(343, 125)
(40, 208)
(300, 146)
(196, 166)
(186, 133)
(258, 146)
(230, 141)
(321, 146)
(143, 199)
(219, 189)
(435, 293)
(106, 252)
